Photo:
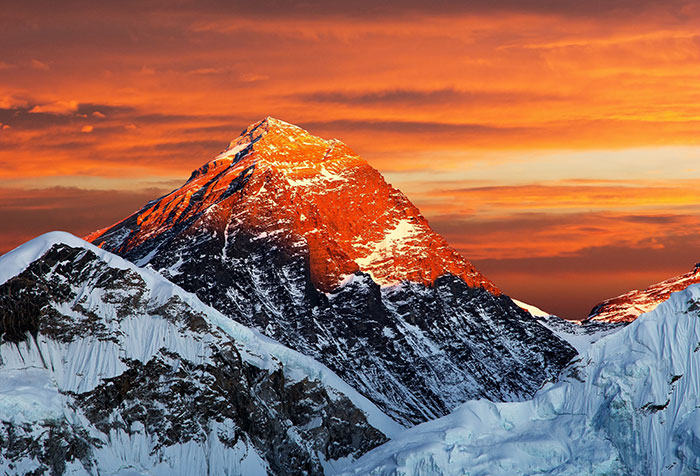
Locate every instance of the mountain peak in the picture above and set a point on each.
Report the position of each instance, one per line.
(300, 238)
(273, 126)
(311, 196)
(279, 145)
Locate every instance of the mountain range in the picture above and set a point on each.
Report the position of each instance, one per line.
(286, 311)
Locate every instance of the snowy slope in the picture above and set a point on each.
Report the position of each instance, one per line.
(108, 367)
(300, 238)
(534, 310)
(578, 334)
(630, 405)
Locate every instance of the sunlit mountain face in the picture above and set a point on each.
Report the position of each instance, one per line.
(559, 140)
(629, 306)
(308, 194)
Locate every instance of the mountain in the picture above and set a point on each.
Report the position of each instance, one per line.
(629, 406)
(303, 240)
(109, 369)
(627, 307)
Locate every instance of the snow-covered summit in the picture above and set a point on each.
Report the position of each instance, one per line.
(303, 240)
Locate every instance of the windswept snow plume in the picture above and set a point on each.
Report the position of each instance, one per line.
(630, 405)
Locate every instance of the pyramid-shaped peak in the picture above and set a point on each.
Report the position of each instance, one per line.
(275, 144)
(272, 124)
(276, 179)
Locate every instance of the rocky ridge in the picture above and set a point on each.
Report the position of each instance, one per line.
(629, 306)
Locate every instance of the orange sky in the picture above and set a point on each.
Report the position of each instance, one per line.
(555, 144)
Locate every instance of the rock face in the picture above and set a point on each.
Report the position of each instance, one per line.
(629, 306)
(300, 238)
(106, 368)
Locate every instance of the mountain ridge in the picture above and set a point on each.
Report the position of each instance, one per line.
(107, 366)
(629, 306)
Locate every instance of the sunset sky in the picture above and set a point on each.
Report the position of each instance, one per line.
(556, 144)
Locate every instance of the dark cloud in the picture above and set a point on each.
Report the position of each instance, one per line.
(365, 9)
(655, 219)
(457, 226)
(27, 117)
(572, 285)
(675, 253)
(410, 127)
(224, 130)
(108, 110)
(413, 97)
(48, 115)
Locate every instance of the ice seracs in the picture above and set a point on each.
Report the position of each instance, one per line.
(628, 406)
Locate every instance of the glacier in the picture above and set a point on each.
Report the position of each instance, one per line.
(629, 405)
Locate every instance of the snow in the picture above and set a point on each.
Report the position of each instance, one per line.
(28, 394)
(535, 311)
(322, 178)
(630, 405)
(391, 244)
(231, 151)
(99, 359)
(580, 337)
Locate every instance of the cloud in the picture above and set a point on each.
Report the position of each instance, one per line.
(57, 107)
(590, 197)
(408, 98)
(513, 91)
(12, 102)
(27, 213)
(411, 127)
(370, 10)
(36, 64)
(365, 9)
